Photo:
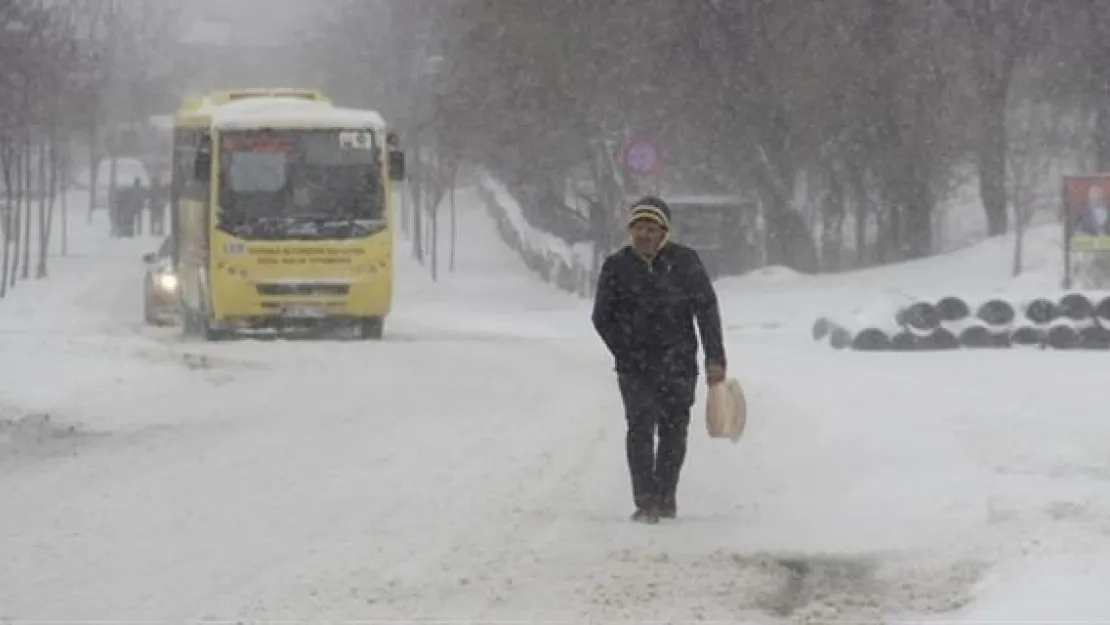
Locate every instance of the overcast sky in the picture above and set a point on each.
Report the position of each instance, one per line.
(258, 9)
(248, 19)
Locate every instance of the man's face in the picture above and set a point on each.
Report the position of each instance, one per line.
(647, 236)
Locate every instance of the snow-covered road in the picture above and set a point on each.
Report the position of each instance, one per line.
(472, 465)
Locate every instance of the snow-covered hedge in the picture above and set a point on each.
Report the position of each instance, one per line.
(567, 266)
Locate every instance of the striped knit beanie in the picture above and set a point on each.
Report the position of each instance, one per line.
(652, 209)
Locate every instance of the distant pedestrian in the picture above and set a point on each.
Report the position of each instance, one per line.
(129, 206)
(157, 201)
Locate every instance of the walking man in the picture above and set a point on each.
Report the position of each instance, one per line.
(648, 295)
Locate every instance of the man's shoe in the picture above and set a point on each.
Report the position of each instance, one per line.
(645, 515)
(668, 508)
(647, 510)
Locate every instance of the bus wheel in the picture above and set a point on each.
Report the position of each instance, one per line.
(211, 333)
(189, 325)
(371, 328)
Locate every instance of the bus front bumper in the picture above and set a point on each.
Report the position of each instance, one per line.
(308, 303)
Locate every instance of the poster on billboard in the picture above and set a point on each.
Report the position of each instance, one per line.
(1086, 219)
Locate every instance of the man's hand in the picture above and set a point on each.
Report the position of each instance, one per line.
(715, 372)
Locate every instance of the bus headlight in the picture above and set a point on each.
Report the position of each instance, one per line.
(167, 282)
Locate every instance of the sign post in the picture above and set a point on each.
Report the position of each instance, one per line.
(642, 158)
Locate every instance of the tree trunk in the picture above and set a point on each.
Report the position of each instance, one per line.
(863, 214)
(1019, 236)
(94, 163)
(7, 154)
(404, 188)
(434, 222)
(917, 239)
(1097, 57)
(44, 224)
(113, 213)
(889, 152)
(992, 154)
(16, 210)
(454, 216)
(25, 262)
(417, 206)
(789, 241)
(891, 243)
(1102, 126)
(832, 222)
(64, 193)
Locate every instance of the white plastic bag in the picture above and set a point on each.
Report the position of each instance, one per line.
(726, 410)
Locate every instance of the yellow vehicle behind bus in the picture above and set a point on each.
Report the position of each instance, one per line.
(283, 213)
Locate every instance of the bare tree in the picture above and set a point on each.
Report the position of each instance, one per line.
(999, 36)
(37, 104)
(877, 107)
(119, 81)
(1036, 139)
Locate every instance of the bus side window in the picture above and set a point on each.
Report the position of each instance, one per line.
(194, 188)
(178, 181)
(396, 157)
(202, 163)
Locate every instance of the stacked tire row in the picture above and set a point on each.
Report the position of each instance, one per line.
(1072, 321)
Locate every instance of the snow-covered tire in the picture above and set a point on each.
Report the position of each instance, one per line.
(371, 328)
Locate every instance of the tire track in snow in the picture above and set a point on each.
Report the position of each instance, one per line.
(794, 559)
(436, 512)
(569, 567)
(515, 526)
(499, 564)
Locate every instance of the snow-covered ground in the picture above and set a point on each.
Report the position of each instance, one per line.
(472, 465)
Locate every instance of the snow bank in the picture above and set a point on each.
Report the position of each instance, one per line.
(1051, 589)
(771, 274)
(567, 266)
(759, 302)
(468, 299)
(984, 268)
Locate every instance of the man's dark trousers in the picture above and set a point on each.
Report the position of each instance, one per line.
(652, 406)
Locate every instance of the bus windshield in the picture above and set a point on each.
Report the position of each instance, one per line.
(272, 181)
